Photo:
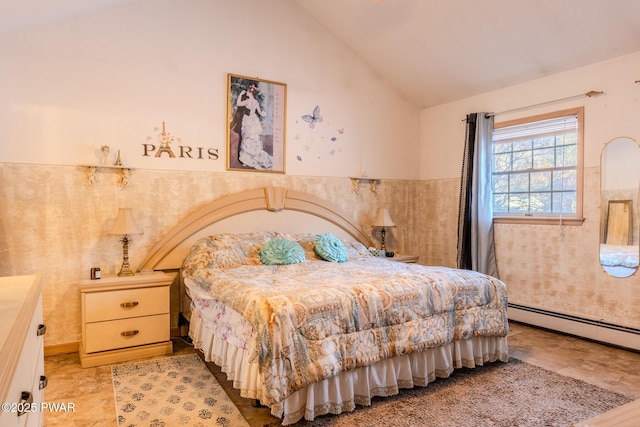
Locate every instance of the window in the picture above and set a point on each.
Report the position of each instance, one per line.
(537, 168)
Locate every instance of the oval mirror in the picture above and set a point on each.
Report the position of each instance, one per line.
(620, 178)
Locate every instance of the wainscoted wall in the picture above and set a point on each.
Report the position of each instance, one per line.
(115, 75)
(558, 268)
(439, 211)
(544, 266)
(55, 223)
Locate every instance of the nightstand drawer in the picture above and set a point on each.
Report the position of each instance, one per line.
(112, 305)
(123, 333)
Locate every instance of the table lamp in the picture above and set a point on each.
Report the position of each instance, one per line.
(125, 226)
(383, 220)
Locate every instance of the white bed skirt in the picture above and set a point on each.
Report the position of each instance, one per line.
(343, 392)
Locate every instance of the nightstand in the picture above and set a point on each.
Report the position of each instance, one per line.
(404, 258)
(125, 318)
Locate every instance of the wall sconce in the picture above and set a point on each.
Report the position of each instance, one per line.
(383, 220)
(124, 226)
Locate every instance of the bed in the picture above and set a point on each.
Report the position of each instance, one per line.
(619, 260)
(324, 334)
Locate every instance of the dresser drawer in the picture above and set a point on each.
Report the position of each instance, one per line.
(22, 382)
(21, 349)
(112, 305)
(123, 333)
(35, 337)
(36, 418)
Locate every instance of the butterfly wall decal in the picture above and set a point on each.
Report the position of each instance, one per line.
(314, 118)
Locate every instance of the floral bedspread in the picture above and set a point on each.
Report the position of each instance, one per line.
(317, 318)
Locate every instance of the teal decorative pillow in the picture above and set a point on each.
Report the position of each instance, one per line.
(281, 252)
(330, 248)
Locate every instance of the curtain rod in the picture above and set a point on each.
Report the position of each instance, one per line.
(589, 94)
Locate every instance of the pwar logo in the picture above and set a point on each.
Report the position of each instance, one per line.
(165, 139)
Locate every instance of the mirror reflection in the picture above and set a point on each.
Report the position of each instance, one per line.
(620, 180)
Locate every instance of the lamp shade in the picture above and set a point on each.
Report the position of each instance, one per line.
(125, 223)
(383, 219)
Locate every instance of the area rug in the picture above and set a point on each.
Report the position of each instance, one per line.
(172, 391)
(497, 394)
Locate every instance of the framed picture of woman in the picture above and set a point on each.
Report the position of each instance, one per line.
(256, 118)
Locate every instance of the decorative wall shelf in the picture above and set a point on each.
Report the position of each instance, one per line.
(92, 170)
(373, 183)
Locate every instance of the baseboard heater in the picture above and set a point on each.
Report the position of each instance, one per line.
(608, 333)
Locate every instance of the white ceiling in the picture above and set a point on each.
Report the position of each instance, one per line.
(437, 51)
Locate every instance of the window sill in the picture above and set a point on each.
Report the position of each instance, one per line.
(538, 221)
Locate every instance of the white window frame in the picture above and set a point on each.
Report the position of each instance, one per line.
(546, 218)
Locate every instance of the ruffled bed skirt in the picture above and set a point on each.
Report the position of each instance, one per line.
(343, 392)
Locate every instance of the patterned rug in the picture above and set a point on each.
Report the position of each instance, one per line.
(172, 391)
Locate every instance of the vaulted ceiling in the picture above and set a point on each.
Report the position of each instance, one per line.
(437, 51)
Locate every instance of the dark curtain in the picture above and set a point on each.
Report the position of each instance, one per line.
(464, 203)
(476, 249)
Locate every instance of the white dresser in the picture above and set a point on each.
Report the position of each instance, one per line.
(125, 318)
(22, 379)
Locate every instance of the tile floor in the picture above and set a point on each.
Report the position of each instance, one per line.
(91, 392)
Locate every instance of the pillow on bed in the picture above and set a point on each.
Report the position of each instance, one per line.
(226, 250)
(306, 240)
(247, 243)
(281, 252)
(356, 250)
(330, 248)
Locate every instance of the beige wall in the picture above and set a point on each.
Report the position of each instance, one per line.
(54, 223)
(113, 76)
(549, 267)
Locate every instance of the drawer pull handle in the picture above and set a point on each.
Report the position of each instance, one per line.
(44, 382)
(26, 399)
(42, 329)
(129, 304)
(129, 333)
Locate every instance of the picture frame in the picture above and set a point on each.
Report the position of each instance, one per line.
(256, 124)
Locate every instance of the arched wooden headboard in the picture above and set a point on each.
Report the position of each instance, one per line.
(171, 250)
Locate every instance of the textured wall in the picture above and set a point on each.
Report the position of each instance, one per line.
(546, 266)
(114, 76)
(558, 269)
(439, 214)
(54, 223)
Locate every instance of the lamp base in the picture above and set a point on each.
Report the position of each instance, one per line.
(126, 271)
(126, 267)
